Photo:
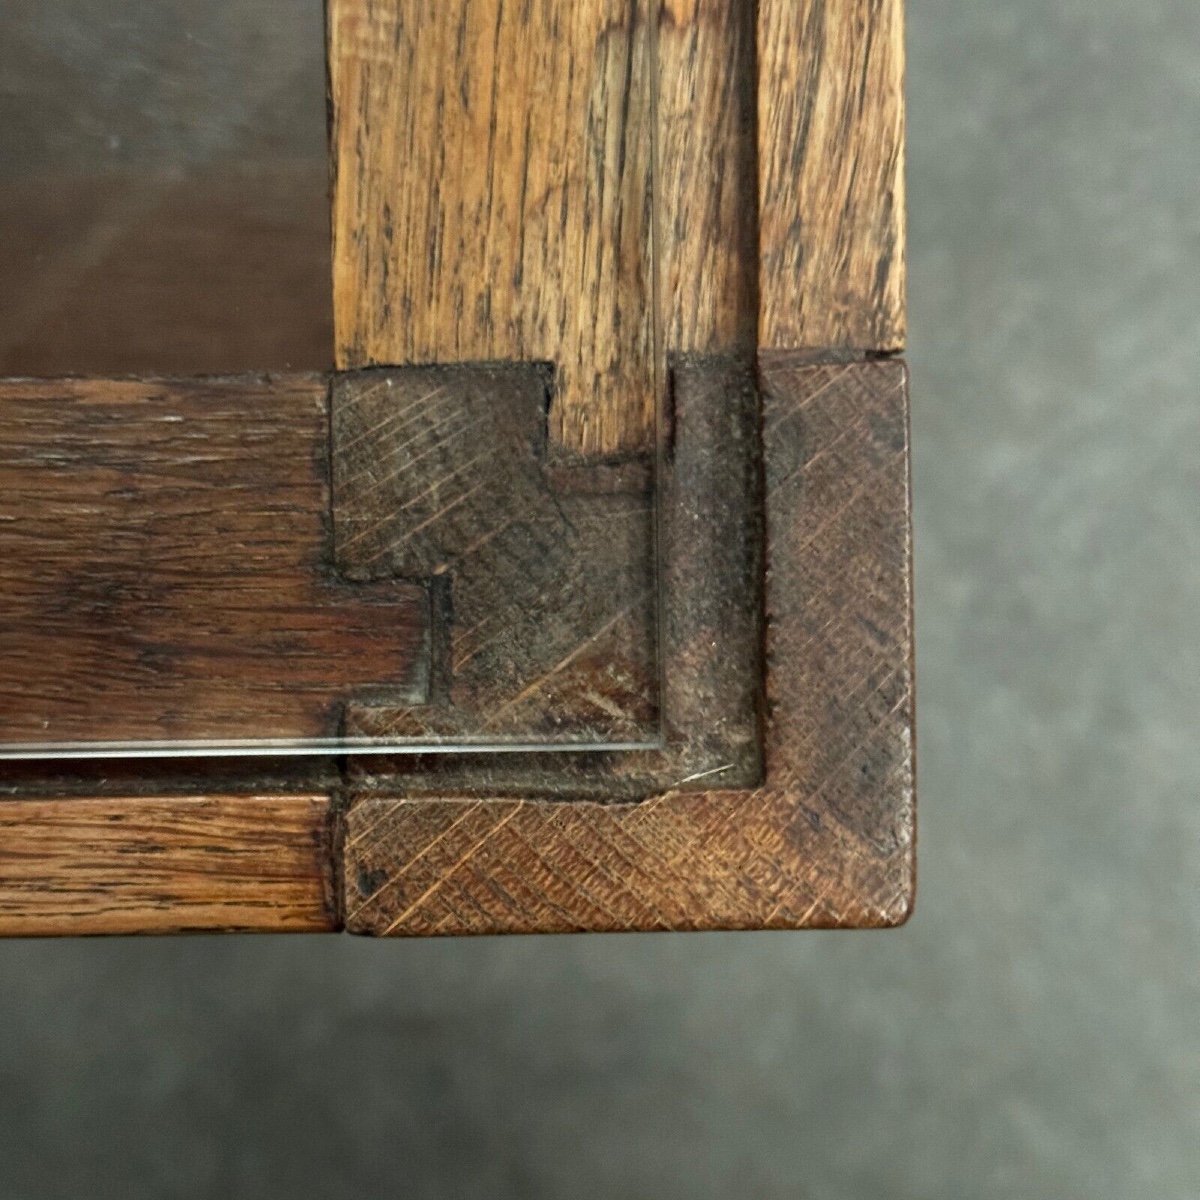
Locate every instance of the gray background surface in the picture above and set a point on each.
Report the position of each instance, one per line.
(1035, 1031)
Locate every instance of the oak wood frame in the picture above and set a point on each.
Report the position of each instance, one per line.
(827, 840)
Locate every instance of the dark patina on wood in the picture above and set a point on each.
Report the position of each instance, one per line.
(545, 592)
(538, 568)
(689, 206)
(827, 839)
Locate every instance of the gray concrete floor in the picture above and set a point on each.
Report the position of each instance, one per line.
(1035, 1031)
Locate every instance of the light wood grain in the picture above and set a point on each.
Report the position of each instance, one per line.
(831, 169)
(165, 865)
(705, 182)
(491, 197)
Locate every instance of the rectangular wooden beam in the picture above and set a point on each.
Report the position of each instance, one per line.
(166, 865)
(831, 174)
(492, 190)
(165, 567)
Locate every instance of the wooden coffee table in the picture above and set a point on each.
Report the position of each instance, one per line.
(576, 595)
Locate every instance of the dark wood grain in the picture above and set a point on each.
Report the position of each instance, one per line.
(580, 223)
(540, 575)
(165, 571)
(831, 174)
(828, 839)
(166, 865)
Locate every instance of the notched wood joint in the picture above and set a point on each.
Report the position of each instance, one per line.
(539, 568)
(611, 607)
(821, 832)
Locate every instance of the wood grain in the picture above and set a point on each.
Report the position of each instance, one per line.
(491, 202)
(621, 189)
(831, 174)
(513, 178)
(828, 839)
(164, 567)
(705, 182)
(165, 865)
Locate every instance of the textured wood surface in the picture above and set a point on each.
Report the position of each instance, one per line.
(831, 170)
(165, 865)
(577, 184)
(711, 547)
(553, 630)
(164, 566)
(641, 195)
(491, 196)
(542, 580)
(705, 184)
(828, 839)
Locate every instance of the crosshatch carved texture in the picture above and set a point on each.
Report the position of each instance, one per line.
(705, 727)
(537, 181)
(541, 575)
(828, 839)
